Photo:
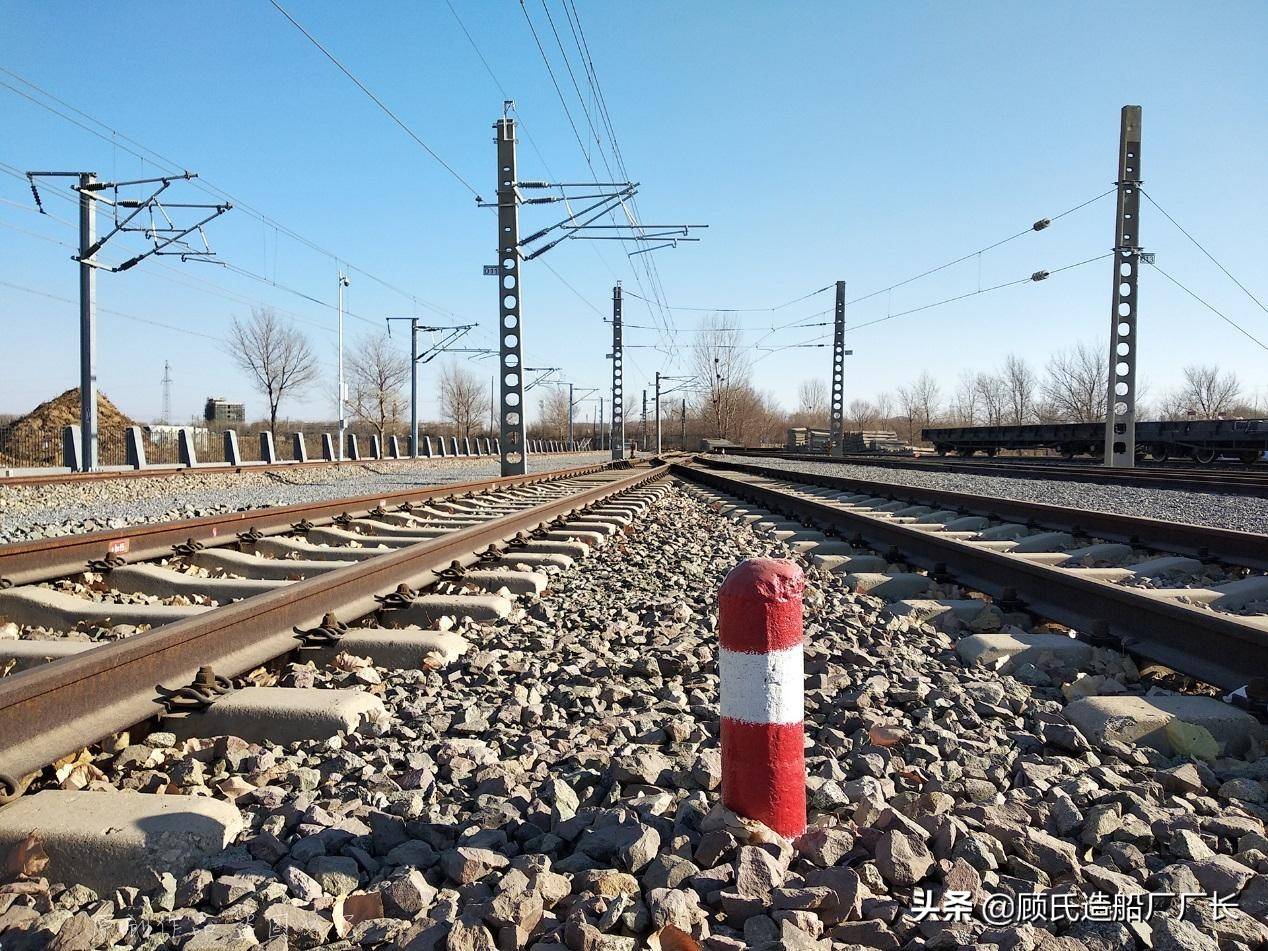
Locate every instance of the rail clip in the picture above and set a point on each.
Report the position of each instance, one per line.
(402, 597)
(330, 631)
(205, 690)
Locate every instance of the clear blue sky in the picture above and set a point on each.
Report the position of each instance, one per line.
(818, 140)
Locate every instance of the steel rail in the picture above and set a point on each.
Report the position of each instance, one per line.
(47, 558)
(160, 469)
(1182, 538)
(62, 706)
(1223, 481)
(1216, 648)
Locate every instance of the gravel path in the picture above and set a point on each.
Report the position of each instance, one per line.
(45, 511)
(1242, 513)
(558, 788)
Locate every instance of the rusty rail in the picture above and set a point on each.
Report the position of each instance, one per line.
(1182, 538)
(34, 561)
(1217, 648)
(62, 706)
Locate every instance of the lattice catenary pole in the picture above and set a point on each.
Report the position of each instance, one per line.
(837, 425)
(514, 448)
(1120, 416)
(618, 382)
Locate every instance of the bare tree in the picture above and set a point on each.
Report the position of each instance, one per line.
(1075, 386)
(1020, 383)
(278, 358)
(884, 404)
(723, 368)
(378, 372)
(1207, 392)
(552, 413)
(966, 404)
(812, 402)
(992, 392)
(862, 415)
(919, 403)
(463, 399)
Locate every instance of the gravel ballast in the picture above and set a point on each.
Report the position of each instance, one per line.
(1240, 513)
(68, 508)
(558, 788)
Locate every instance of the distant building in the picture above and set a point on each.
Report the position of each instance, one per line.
(222, 411)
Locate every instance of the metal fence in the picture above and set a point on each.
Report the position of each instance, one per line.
(26, 447)
(22, 447)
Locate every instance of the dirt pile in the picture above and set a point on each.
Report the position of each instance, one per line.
(35, 439)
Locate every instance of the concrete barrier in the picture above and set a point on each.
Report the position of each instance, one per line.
(394, 447)
(327, 447)
(376, 447)
(185, 447)
(72, 449)
(353, 451)
(232, 454)
(268, 449)
(135, 447)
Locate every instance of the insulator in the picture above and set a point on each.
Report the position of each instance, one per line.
(1041, 224)
(1039, 276)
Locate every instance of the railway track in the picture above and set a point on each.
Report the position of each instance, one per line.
(544, 772)
(1142, 583)
(283, 571)
(1230, 481)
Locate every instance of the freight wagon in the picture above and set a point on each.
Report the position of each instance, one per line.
(1202, 440)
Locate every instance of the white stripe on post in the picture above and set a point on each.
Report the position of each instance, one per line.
(763, 688)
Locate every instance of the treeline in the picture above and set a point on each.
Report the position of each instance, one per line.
(718, 397)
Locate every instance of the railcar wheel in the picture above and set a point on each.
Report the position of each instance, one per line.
(1160, 452)
(940, 450)
(1249, 457)
(1204, 456)
(1067, 452)
(993, 451)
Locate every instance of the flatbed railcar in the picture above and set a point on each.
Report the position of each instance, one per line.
(1202, 440)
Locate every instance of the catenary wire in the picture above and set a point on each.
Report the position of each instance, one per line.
(144, 153)
(377, 101)
(971, 254)
(1199, 246)
(1212, 309)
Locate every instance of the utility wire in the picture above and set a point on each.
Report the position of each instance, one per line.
(377, 101)
(225, 264)
(1199, 246)
(568, 114)
(984, 290)
(224, 292)
(989, 247)
(144, 153)
(744, 310)
(649, 266)
(1209, 307)
(117, 313)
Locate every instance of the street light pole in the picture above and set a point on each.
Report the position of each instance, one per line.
(343, 422)
(87, 322)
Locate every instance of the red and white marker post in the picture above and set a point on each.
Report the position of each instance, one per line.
(763, 703)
